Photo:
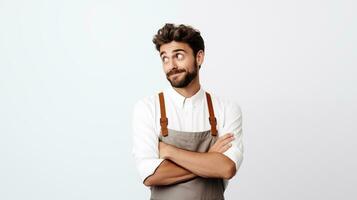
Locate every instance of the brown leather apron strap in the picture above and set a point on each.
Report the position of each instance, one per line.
(212, 119)
(164, 121)
(163, 118)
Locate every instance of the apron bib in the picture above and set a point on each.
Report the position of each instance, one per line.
(198, 188)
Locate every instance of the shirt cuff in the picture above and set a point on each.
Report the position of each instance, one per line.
(235, 155)
(148, 166)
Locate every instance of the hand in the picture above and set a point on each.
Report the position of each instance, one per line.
(222, 144)
(164, 150)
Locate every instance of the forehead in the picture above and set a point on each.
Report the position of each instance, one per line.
(172, 46)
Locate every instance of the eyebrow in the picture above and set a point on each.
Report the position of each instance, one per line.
(176, 50)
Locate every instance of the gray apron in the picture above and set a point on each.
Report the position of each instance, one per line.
(198, 188)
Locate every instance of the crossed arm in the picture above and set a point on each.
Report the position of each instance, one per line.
(181, 165)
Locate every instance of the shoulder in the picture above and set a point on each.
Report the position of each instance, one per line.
(145, 104)
(225, 104)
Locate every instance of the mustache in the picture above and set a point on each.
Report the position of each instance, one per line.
(175, 71)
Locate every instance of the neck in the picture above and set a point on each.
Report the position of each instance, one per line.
(190, 89)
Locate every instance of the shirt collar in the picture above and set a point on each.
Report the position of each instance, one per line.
(182, 102)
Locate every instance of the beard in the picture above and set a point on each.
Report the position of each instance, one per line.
(187, 78)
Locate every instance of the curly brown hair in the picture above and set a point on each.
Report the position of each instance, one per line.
(181, 33)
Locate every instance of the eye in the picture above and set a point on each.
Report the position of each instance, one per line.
(164, 59)
(179, 56)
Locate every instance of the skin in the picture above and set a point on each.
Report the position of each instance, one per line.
(179, 164)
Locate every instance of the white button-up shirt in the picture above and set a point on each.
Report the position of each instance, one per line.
(184, 114)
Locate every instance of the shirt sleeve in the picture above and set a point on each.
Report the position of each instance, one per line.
(233, 124)
(145, 141)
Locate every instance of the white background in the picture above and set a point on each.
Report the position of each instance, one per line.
(71, 71)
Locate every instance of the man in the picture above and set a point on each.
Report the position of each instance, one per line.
(187, 143)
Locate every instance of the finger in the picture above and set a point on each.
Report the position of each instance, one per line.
(161, 144)
(223, 137)
(225, 148)
(226, 135)
(227, 140)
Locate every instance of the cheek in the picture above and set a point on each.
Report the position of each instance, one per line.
(183, 63)
(166, 68)
(188, 64)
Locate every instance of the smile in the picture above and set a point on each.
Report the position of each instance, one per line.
(176, 74)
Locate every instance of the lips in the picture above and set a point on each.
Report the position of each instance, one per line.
(177, 74)
(175, 71)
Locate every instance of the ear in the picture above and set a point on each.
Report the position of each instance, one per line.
(200, 57)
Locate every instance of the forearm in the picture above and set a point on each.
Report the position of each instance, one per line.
(168, 173)
(208, 165)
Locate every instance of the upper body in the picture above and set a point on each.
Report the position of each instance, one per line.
(181, 50)
(184, 114)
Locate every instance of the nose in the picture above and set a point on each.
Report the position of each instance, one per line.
(172, 64)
